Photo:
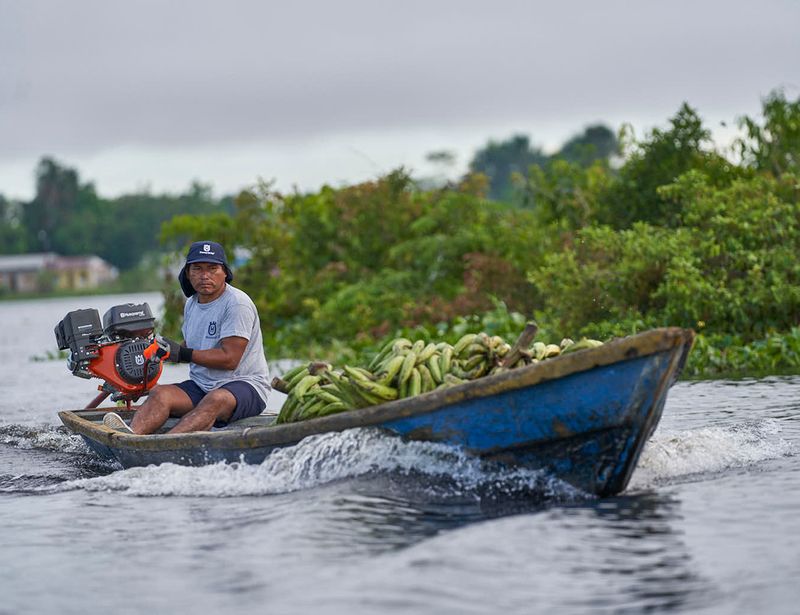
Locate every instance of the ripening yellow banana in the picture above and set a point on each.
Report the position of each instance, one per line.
(582, 344)
(552, 350)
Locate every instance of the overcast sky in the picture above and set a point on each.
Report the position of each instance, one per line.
(139, 94)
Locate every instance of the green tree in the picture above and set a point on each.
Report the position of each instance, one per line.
(597, 142)
(657, 161)
(502, 161)
(773, 146)
(55, 201)
(12, 233)
(131, 223)
(730, 267)
(566, 193)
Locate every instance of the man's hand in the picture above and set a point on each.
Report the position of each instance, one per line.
(177, 353)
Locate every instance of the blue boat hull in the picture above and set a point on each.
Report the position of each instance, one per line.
(583, 417)
(584, 427)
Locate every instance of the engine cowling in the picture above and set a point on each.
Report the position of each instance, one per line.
(122, 366)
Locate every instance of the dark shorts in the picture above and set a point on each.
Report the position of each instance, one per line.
(248, 401)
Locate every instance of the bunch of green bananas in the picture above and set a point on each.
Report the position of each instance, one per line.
(404, 368)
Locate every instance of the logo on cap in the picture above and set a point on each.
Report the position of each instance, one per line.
(206, 249)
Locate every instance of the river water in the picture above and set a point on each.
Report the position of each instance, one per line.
(362, 523)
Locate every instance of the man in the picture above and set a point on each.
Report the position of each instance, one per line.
(228, 373)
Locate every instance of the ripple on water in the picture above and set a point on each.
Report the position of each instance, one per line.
(672, 454)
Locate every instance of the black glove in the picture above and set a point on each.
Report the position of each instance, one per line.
(177, 353)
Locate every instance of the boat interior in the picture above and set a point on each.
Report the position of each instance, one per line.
(96, 416)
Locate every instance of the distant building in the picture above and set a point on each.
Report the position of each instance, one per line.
(27, 273)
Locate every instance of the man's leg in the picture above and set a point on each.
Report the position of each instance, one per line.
(164, 400)
(216, 405)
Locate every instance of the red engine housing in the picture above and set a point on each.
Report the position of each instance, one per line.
(115, 364)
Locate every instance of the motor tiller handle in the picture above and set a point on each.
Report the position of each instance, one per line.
(158, 349)
(154, 353)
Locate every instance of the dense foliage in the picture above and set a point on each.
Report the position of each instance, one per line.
(355, 264)
(67, 216)
(675, 234)
(504, 162)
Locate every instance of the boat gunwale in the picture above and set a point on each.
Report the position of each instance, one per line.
(615, 351)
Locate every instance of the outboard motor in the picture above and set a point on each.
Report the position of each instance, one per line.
(123, 351)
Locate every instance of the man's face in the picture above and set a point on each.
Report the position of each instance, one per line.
(208, 279)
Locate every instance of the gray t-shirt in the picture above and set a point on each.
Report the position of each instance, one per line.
(231, 314)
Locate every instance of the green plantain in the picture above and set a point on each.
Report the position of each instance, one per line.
(298, 377)
(415, 383)
(378, 391)
(474, 361)
(391, 370)
(427, 383)
(461, 344)
(408, 365)
(446, 360)
(426, 353)
(305, 384)
(435, 368)
(287, 376)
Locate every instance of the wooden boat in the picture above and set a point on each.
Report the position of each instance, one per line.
(583, 416)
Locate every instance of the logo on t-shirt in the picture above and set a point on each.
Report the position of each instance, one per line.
(212, 328)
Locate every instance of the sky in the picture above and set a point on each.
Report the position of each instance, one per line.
(151, 95)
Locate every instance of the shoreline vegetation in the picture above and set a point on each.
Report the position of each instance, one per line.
(609, 236)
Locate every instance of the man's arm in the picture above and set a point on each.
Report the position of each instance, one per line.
(227, 356)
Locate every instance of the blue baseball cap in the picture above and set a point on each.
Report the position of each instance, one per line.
(203, 252)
